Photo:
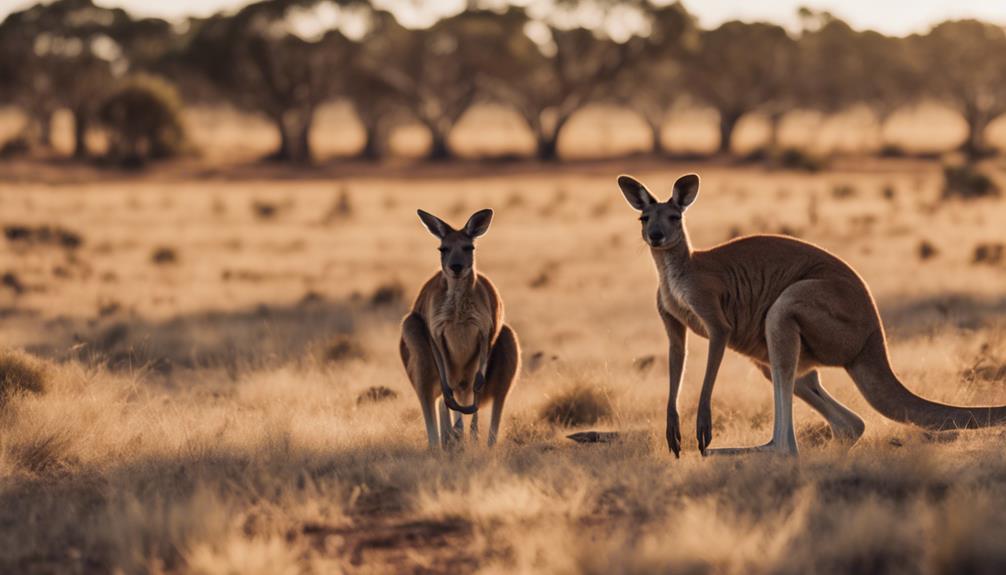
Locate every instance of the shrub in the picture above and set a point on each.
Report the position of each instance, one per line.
(581, 404)
(11, 281)
(19, 145)
(843, 192)
(26, 235)
(892, 151)
(164, 255)
(143, 116)
(265, 210)
(376, 394)
(387, 294)
(789, 159)
(927, 250)
(343, 348)
(967, 182)
(989, 253)
(796, 159)
(21, 373)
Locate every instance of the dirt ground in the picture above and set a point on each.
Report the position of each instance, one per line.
(206, 337)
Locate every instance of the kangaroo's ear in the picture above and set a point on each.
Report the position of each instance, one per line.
(437, 226)
(686, 189)
(478, 224)
(635, 192)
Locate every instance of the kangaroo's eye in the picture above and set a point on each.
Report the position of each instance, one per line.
(644, 219)
(675, 217)
(468, 248)
(442, 250)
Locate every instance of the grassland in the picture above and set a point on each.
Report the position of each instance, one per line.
(208, 337)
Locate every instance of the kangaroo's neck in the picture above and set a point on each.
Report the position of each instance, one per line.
(460, 288)
(674, 261)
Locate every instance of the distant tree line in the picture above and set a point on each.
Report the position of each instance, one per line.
(283, 59)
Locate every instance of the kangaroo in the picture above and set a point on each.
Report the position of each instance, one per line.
(788, 305)
(454, 342)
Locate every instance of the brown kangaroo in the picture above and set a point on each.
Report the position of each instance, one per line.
(790, 306)
(454, 342)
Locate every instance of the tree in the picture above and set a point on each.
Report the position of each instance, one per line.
(740, 68)
(143, 118)
(962, 70)
(652, 82)
(63, 54)
(434, 72)
(838, 67)
(25, 84)
(546, 80)
(258, 60)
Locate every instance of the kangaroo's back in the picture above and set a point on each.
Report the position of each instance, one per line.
(748, 275)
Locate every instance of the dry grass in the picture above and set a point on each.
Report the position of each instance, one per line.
(20, 373)
(243, 410)
(578, 405)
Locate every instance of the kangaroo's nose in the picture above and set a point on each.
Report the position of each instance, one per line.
(456, 268)
(656, 236)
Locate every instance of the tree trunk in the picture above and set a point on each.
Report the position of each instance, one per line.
(881, 119)
(548, 141)
(45, 129)
(283, 153)
(440, 150)
(657, 138)
(728, 121)
(303, 152)
(372, 144)
(80, 124)
(974, 145)
(547, 148)
(774, 127)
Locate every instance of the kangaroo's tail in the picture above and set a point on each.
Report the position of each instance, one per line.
(872, 373)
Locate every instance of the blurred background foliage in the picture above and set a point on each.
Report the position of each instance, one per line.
(545, 61)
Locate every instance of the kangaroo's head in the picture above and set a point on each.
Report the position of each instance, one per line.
(663, 226)
(457, 247)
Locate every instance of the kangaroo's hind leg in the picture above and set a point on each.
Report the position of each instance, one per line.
(501, 371)
(417, 357)
(810, 324)
(846, 426)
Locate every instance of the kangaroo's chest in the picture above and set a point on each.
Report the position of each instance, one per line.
(458, 326)
(675, 296)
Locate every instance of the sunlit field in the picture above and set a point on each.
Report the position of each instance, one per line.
(215, 348)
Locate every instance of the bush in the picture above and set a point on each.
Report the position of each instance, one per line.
(21, 373)
(163, 256)
(989, 253)
(788, 159)
(143, 116)
(343, 348)
(376, 394)
(19, 145)
(967, 182)
(797, 159)
(387, 294)
(581, 404)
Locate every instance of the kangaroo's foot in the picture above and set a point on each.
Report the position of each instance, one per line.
(450, 438)
(769, 448)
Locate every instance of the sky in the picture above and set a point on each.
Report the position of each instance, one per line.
(897, 17)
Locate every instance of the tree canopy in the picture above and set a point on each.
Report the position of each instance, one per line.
(546, 60)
